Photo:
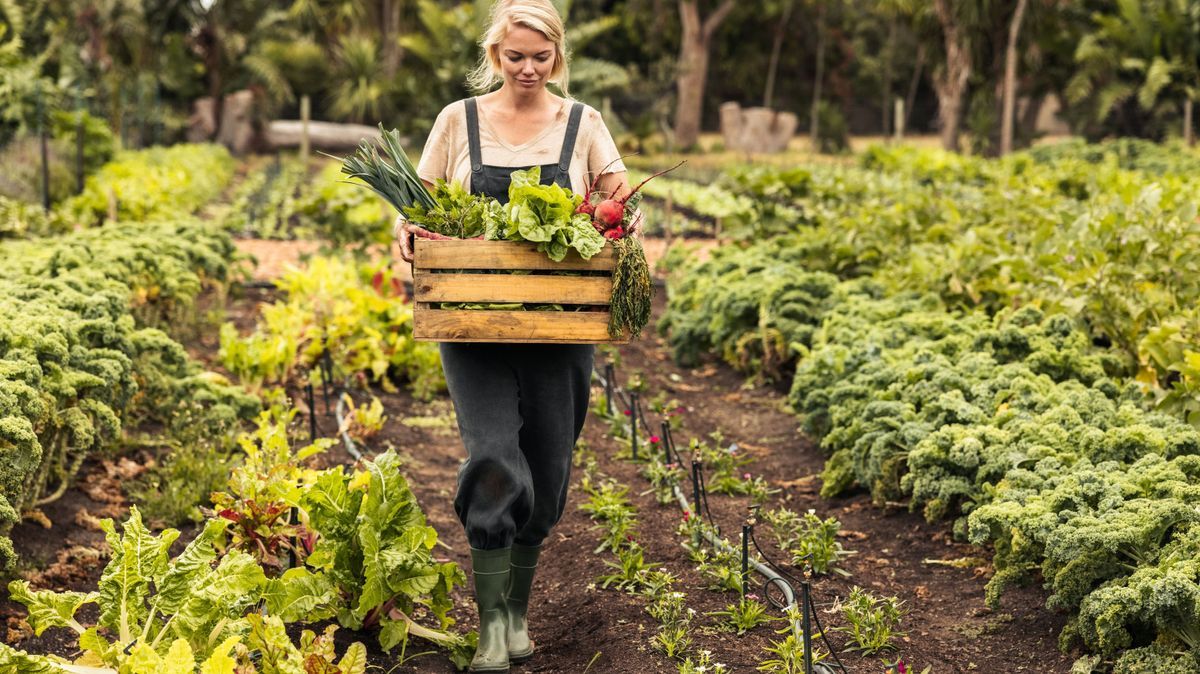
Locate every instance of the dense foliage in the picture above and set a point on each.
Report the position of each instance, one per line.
(75, 365)
(157, 183)
(219, 600)
(1008, 344)
(357, 316)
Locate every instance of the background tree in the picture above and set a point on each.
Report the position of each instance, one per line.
(1010, 78)
(697, 33)
(1140, 66)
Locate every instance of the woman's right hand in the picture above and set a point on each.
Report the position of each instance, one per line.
(404, 230)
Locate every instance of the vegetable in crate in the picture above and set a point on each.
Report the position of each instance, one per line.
(457, 213)
(397, 182)
(547, 215)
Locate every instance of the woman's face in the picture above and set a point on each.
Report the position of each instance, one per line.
(526, 58)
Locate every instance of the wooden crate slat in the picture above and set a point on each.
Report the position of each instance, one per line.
(472, 254)
(569, 327)
(430, 287)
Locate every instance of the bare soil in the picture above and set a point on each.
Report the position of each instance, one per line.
(578, 626)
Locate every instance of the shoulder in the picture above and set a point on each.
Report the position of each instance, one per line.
(590, 120)
(453, 116)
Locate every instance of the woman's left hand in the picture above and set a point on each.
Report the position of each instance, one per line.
(635, 224)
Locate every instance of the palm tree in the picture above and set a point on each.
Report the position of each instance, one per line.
(1148, 54)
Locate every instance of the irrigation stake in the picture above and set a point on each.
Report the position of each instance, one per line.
(805, 606)
(608, 388)
(633, 423)
(746, 529)
(665, 438)
(312, 412)
(696, 485)
(326, 377)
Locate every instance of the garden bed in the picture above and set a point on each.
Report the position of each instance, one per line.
(948, 626)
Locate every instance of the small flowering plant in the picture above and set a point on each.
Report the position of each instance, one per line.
(703, 665)
(811, 541)
(662, 477)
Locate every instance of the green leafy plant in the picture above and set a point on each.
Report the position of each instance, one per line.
(363, 421)
(631, 568)
(787, 655)
(872, 623)
(152, 604)
(342, 309)
(810, 540)
(703, 664)
(265, 490)
(608, 503)
(744, 616)
(372, 564)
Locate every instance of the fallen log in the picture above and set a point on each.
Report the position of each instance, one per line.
(332, 136)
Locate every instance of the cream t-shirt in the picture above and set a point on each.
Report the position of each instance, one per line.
(447, 155)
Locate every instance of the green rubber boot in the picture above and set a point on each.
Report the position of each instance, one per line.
(524, 564)
(491, 572)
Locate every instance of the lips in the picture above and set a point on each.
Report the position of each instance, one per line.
(527, 81)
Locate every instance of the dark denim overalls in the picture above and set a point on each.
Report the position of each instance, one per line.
(520, 407)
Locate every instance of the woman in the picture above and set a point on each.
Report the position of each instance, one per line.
(520, 407)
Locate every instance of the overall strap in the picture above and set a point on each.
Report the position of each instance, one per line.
(568, 148)
(473, 139)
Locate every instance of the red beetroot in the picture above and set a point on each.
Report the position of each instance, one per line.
(586, 206)
(614, 233)
(611, 212)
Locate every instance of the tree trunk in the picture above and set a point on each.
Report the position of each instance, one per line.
(950, 83)
(776, 48)
(693, 68)
(910, 99)
(1010, 80)
(885, 90)
(1188, 137)
(814, 120)
(389, 27)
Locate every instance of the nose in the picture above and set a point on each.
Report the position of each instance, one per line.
(527, 68)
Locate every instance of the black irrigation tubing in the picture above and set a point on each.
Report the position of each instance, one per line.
(795, 583)
(716, 541)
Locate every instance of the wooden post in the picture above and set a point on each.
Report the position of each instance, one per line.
(1188, 136)
(41, 127)
(668, 217)
(898, 120)
(78, 138)
(305, 104)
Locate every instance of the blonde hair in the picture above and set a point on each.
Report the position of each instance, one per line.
(539, 15)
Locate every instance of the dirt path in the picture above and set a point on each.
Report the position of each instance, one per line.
(576, 623)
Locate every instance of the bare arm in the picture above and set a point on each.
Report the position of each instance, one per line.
(404, 231)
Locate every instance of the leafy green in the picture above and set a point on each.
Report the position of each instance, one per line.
(457, 213)
(545, 214)
(376, 548)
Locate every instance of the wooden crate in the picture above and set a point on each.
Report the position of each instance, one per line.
(450, 271)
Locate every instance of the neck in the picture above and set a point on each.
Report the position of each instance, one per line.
(523, 100)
